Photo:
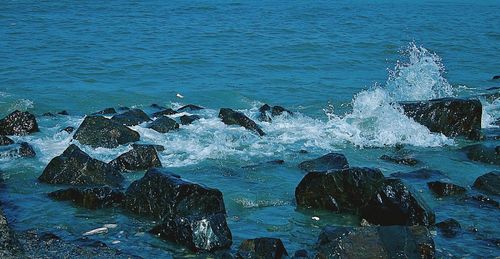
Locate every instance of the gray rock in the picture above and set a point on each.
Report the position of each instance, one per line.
(97, 131)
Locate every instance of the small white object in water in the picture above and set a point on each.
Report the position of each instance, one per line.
(96, 231)
(315, 218)
(116, 242)
(179, 95)
(110, 225)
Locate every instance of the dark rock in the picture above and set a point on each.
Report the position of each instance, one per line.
(48, 114)
(131, 117)
(231, 117)
(303, 151)
(158, 148)
(18, 123)
(489, 183)
(450, 116)
(198, 233)
(271, 248)
(339, 190)
(272, 162)
(483, 200)
(330, 161)
(123, 108)
(493, 88)
(157, 106)
(496, 77)
(449, 228)
(491, 97)
(190, 107)
(375, 242)
(445, 189)
(163, 124)
(266, 112)
(97, 131)
(141, 157)
(26, 150)
(9, 245)
(75, 167)
(421, 174)
(402, 160)
(188, 119)
(63, 113)
(301, 254)
(483, 153)
(91, 198)
(105, 111)
(69, 129)
(5, 141)
(165, 112)
(18, 150)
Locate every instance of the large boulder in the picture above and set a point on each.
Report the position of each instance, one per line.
(163, 124)
(231, 117)
(450, 116)
(141, 157)
(18, 123)
(188, 119)
(75, 167)
(271, 248)
(17, 150)
(445, 188)
(9, 245)
(375, 242)
(164, 112)
(266, 112)
(5, 141)
(131, 117)
(488, 154)
(330, 161)
(489, 183)
(97, 131)
(91, 198)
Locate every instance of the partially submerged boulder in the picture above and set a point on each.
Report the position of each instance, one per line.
(330, 161)
(190, 107)
(266, 112)
(451, 116)
(91, 198)
(26, 150)
(231, 117)
(5, 141)
(445, 189)
(97, 131)
(69, 129)
(163, 124)
(188, 119)
(375, 242)
(106, 111)
(17, 150)
(75, 167)
(164, 112)
(421, 174)
(489, 154)
(489, 183)
(141, 157)
(449, 227)
(401, 160)
(131, 117)
(271, 248)
(18, 123)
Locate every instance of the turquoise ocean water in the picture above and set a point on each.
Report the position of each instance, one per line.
(337, 65)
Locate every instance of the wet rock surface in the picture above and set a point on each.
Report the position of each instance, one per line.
(91, 198)
(445, 189)
(188, 119)
(423, 174)
(105, 111)
(375, 242)
(266, 112)
(9, 244)
(18, 123)
(489, 183)
(163, 124)
(26, 150)
(141, 157)
(131, 117)
(5, 141)
(271, 248)
(97, 131)
(401, 160)
(190, 107)
(231, 117)
(75, 167)
(164, 112)
(69, 129)
(449, 227)
(330, 161)
(18, 150)
(451, 116)
(489, 154)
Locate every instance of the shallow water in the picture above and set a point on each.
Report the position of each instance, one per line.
(338, 66)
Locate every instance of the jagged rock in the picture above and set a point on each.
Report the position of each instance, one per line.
(9, 245)
(330, 161)
(75, 167)
(167, 111)
(267, 112)
(163, 124)
(5, 141)
(18, 123)
(451, 116)
(190, 107)
(141, 157)
(496, 77)
(375, 242)
(69, 129)
(131, 117)
(97, 131)
(188, 119)
(105, 111)
(271, 248)
(449, 227)
(198, 233)
(159, 148)
(489, 183)
(26, 150)
(483, 153)
(63, 113)
(18, 150)
(445, 189)
(339, 190)
(421, 174)
(231, 117)
(91, 198)
(402, 160)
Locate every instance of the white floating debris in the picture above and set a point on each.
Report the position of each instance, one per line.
(96, 231)
(179, 96)
(114, 242)
(110, 225)
(315, 218)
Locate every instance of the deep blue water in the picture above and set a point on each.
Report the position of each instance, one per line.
(307, 56)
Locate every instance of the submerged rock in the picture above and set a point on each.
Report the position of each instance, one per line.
(157, 106)
(26, 150)
(496, 77)
(131, 117)
(231, 117)
(489, 183)
(69, 129)
(483, 200)
(91, 198)
(167, 111)
(75, 167)
(5, 141)
(267, 112)
(421, 174)
(141, 157)
(97, 131)
(449, 227)
(271, 248)
(451, 116)
(190, 107)
(105, 111)
(159, 148)
(163, 124)
(63, 113)
(483, 153)
(9, 245)
(188, 119)
(330, 161)
(18, 150)
(18, 123)
(445, 189)
(375, 242)
(402, 160)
